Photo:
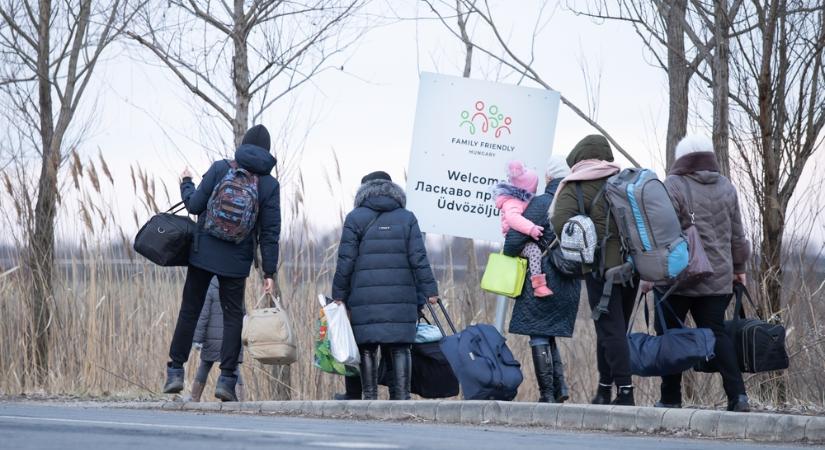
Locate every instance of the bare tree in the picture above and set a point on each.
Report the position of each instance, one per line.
(49, 52)
(663, 27)
(241, 58)
(508, 56)
(778, 108)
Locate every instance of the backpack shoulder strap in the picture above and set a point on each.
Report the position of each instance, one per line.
(580, 198)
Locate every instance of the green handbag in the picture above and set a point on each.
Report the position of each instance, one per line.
(504, 275)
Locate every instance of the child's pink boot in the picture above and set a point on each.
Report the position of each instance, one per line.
(540, 288)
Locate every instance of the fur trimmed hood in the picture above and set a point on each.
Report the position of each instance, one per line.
(508, 190)
(380, 195)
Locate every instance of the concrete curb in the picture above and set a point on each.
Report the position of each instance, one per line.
(758, 427)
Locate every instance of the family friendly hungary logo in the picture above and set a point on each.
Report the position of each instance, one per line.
(486, 120)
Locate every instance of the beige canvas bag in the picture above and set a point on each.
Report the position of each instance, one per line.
(267, 334)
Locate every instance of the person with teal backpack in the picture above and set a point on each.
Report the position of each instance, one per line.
(591, 164)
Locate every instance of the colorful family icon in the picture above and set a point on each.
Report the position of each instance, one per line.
(492, 118)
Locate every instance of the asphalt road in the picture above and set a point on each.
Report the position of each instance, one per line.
(45, 426)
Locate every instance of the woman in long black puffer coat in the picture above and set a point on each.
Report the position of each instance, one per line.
(382, 262)
(546, 318)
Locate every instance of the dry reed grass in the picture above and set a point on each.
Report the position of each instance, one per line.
(113, 313)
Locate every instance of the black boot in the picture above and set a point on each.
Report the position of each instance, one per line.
(353, 389)
(369, 374)
(543, 365)
(225, 388)
(625, 396)
(739, 404)
(402, 371)
(174, 380)
(604, 395)
(562, 392)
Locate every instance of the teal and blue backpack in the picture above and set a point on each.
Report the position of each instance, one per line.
(649, 226)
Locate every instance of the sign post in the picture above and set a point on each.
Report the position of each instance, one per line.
(466, 131)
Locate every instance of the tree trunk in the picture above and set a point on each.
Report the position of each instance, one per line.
(240, 73)
(41, 235)
(721, 85)
(678, 79)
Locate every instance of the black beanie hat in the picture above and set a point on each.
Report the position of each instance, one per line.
(379, 175)
(257, 135)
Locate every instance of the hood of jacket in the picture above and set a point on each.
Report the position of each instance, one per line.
(552, 186)
(255, 159)
(508, 190)
(594, 146)
(380, 195)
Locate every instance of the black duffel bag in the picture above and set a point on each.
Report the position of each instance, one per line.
(166, 238)
(760, 346)
(431, 374)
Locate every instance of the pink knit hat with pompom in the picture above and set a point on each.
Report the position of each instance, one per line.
(522, 177)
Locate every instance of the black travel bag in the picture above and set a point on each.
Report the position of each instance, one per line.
(760, 346)
(432, 376)
(166, 238)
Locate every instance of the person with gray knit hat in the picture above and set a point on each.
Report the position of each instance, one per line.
(706, 199)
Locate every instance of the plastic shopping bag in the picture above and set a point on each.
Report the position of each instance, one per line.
(342, 341)
(323, 352)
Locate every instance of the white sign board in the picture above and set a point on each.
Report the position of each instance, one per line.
(466, 131)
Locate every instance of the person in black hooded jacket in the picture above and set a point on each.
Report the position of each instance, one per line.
(230, 262)
(382, 265)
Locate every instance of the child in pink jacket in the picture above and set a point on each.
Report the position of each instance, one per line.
(512, 199)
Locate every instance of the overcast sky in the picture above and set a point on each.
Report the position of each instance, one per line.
(365, 112)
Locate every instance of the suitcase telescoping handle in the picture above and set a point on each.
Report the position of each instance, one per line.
(446, 316)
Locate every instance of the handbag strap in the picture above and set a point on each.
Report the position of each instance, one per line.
(739, 291)
(176, 208)
(689, 195)
(641, 302)
(274, 302)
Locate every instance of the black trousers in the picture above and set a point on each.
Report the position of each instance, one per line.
(612, 352)
(194, 294)
(707, 312)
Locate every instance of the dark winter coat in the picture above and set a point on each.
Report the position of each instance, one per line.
(209, 331)
(717, 218)
(381, 267)
(551, 316)
(227, 258)
(567, 205)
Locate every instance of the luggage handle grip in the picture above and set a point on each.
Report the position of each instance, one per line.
(446, 316)
(274, 302)
(176, 208)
